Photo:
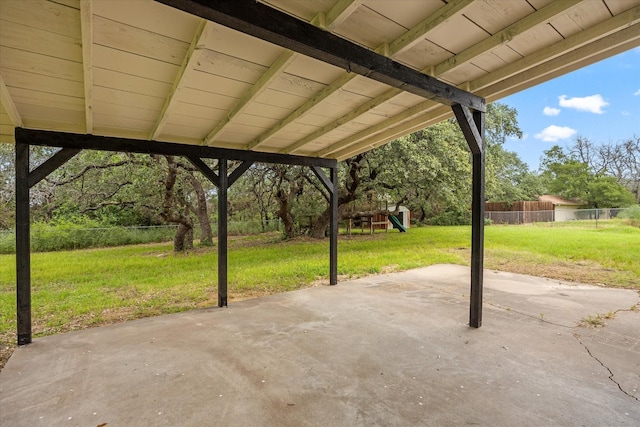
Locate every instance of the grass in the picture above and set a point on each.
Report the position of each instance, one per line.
(607, 255)
(598, 320)
(78, 289)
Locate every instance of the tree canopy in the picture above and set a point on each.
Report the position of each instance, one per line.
(579, 172)
(429, 171)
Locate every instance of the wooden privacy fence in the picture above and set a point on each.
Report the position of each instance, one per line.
(519, 212)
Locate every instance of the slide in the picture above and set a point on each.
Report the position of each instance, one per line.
(397, 224)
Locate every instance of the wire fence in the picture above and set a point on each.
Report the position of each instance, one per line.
(558, 217)
(46, 238)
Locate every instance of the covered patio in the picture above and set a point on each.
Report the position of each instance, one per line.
(391, 349)
(293, 82)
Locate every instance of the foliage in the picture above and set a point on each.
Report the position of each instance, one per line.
(82, 233)
(122, 189)
(631, 215)
(429, 171)
(508, 178)
(7, 197)
(433, 169)
(620, 160)
(451, 217)
(566, 175)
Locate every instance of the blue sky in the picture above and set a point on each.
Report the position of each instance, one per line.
(600, 102)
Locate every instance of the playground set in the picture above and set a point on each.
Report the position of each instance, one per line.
(376, 215)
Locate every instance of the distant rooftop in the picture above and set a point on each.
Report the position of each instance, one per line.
(559, 201)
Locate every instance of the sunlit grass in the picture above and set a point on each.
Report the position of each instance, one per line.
(76, 289)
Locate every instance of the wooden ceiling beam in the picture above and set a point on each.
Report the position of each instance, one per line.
(340, 11)
(108, 143)
(417, 33)
(276, 27)
(367, 106)
(280, 64)
(378, 127)
(440, 113)
(544, 14)
(504, 36)
(302, 110)
(86, 29)
(405, 41)
(8, 104)
(584, 37)
(436, 114)
(506, 78)
(336, 15)
(187, 67)
(607, 46)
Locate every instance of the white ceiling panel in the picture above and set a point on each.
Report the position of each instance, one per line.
(146, 70)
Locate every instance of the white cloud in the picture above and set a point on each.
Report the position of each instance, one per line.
(555, 133)
(626, 113)
(591, 104)
(550, 111)
(637, 93)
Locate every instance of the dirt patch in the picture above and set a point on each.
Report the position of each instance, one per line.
(7, 345)
(580, 271)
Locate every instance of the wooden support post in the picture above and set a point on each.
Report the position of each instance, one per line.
(23, 244)
(331, 185)
(477, 228)
(222, 232)
(472, 126)
(333, 229)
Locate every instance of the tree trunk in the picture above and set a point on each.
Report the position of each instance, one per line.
(319, 229)
(171, 211)
(285, 214)
(180, 240)
(206, 234)
(321, 224)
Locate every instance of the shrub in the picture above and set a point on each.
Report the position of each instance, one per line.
(631, 215)
(453, 217)
(7, 242)
(83, 233)
(64, 235)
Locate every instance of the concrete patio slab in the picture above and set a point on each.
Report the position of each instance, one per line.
(392, 350)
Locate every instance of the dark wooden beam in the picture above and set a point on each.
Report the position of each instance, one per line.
(333, 228)
(205, 170)
(23, 249)
(107, 143)
(51, 164)
(331, 184)
(266, 23)
(238, 171)
(469, 128)
(323, 178)
(477, 226)
(223, 251)
(472, 125)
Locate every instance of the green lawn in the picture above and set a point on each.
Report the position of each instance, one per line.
(76, 289)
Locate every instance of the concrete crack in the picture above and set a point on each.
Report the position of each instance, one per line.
(577, 337)
(540, 318)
